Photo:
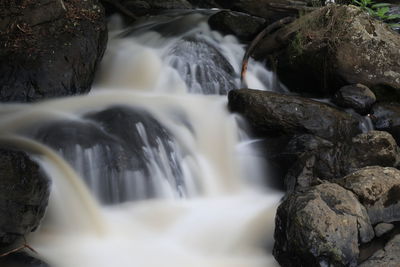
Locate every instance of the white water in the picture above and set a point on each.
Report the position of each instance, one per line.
(215, 211)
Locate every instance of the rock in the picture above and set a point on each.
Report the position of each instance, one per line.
(321, 227)
(21, 259)
(24, 193)
(378, 189)
(214, 73)
(372, 148)
(358, 97)
(141, 8)
(383, 228)
(110, 146)
(327, 161)
(241, 25)
(273, 113)
(50, 48)
(334, 46)
(389, 256)
(386, 117)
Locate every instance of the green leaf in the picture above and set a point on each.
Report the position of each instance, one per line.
(394, 25)
(380, 5)
(394, 16)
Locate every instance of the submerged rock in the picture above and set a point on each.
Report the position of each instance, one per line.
(389, 256)
(378, 189)
(386, 117)
(115, 150)
(203, 67)
(50, 48)
(321, 227)
(241, 25)
(273, 113)
(24, 193)
(335, 46)
(358, 97)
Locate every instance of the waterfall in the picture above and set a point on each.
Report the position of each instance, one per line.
(151, 169)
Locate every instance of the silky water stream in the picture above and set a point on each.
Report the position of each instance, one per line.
(150, 169)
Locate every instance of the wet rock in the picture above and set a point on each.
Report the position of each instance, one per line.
(324, 160)
(378, 189)
(112, 150)
(389, 256)
(241, 25)
(332, 47)
(141, 8)
(322, 226)
(213, 74)
(50, 48)
(358, 97)
(372, 148)
(24, 193)
(21, 259)
(383, 228)
(386, 117)
(273, 113)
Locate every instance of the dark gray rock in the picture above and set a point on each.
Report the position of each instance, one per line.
(21, 259)
(50, 48)
(24, 193)
(273, 113)
(320, 159)
(358, 97)
(378, 189)
(389, 256)
(141, 8)
(383, 228)
(322, 52)
(241, 25)
(322, 226)
(386, 117)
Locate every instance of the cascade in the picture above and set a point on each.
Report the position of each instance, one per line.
(151, 169)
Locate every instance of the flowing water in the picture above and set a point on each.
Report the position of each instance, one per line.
(150, 169)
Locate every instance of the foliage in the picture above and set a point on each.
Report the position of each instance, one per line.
(378, 10)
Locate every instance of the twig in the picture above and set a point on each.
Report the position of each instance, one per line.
(25, 245)
(121, 8)
(272, 27)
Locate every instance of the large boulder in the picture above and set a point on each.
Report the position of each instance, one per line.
(273, 113)
(386, 117)
(50, 48)
(320, 159)
(24, 193)
(378, 189)
(335, 46)
(321, 227)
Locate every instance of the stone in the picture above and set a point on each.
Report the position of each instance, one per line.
(335, 46)
(386, 117)
(383, 228)
(321, 227)
(50, 48)
(241, 25)
(378, 189)
(21, 259)
(320, 159)
(273, 113)
(24, 193)
(358, 97)
(389, 256)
